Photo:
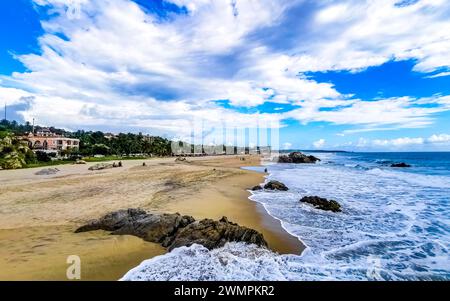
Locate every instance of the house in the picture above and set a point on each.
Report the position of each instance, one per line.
(47, 141)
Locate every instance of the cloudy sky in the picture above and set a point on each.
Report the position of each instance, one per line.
(349, 74)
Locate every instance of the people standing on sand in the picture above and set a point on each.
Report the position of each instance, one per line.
(120, 163)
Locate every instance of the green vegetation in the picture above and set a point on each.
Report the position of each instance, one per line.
(20, 129)
(15, 153)
(97, 143)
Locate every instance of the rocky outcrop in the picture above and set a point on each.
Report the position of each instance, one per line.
(214, 234)
(47, 171)
(297, 158)
(137, 222)
(275, 185)
(256, 188)
(401, 165)
(321, 203)
(101, 166)
(174, 230)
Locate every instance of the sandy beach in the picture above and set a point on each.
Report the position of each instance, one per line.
(40, 213)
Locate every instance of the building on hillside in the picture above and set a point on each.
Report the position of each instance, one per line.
(47, 141)
(110, 136)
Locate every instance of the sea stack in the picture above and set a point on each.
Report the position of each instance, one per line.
(276, 185)
(322, 203)
(297, 158)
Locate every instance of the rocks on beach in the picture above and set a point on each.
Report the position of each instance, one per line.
(47, 171)
(400, 165)
(174, 230)
(271, 185)
(214, 234)
(297, 158)
(256, 188)
(101, 166)
(322, 203)
(276, 185)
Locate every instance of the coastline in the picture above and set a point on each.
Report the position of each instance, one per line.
(39, 213)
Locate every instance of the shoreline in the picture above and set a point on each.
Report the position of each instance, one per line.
(40, 213)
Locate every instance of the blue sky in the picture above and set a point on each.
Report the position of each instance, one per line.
(350, 74)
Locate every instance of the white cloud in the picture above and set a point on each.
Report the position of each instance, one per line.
(319, 143)
(287, 145)
(332, 13)
(403, 112)
(358, 34)
(401, 143)
(119, 61)
(441, 74)
(442, 138)
(122, 65)
(12, 96)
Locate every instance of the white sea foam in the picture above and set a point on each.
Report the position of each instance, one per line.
(414, 179)
(235, 261)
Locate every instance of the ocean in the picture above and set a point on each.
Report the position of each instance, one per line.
(395, 225)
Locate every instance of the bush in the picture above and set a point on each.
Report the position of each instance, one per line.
(100, 149)
(30, 157)
(43, 157)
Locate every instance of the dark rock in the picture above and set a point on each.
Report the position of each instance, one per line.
(214, 234)
(298, 158)
(47, 171)
(321, 203)
(275, 185)
(137, 222)
(400, 165)
(174, 230)
(256, 188)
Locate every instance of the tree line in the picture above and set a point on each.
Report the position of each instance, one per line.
(97, 143)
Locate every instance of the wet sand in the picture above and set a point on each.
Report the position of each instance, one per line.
(38, 214)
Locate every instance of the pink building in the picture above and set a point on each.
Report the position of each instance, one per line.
(45, 140)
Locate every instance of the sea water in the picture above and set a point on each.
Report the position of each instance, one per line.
(394, 225)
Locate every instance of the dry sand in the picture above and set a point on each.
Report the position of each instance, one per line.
(38, 214)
